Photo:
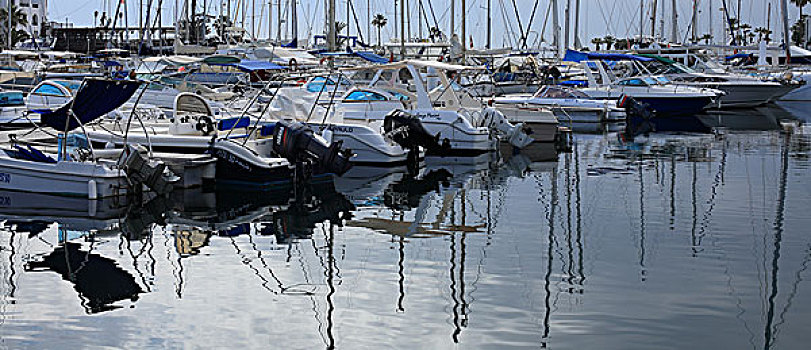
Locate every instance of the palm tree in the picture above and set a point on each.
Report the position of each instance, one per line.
(597, 42)
(379, 21)
(763, 33)
(800, 4)
(609, 41)
(18, 18)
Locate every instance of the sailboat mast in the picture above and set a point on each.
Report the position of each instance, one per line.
(577, 43)
(674, 20)
(694, 22)
(712, 30)
(489, 24)
(653, 20)
(786, 35)
(464, 31)
(567, 13)
(555, 28)
(279, 22)
(331, 25)
(453, 15)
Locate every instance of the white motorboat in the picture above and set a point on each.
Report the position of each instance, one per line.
(72, 168)
(461, 131)
(567, 104)
(13, 112)
(245, 151)
(666, 100)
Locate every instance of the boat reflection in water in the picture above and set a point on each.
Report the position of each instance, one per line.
(529, 249)
(99, 281)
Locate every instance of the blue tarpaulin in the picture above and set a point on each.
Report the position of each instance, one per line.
(95, 98)
(738, 55)
(577, 56)
(371, 57)
(292, 44)
(250, 66)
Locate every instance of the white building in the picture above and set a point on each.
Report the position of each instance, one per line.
(35, 10)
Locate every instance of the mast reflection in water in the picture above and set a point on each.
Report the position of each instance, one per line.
(672, 241)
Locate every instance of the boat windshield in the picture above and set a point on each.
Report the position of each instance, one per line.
(361, 95)
(663, 80)
(70, 85)
(560, 92)
(651, 81)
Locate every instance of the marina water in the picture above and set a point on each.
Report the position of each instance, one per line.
(675, 241)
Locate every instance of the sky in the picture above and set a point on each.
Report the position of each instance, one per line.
(619, 18)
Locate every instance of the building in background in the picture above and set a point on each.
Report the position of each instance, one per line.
(36, 11)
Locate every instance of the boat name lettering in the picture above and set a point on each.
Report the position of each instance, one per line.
(428, 115)
(228, 157)
(5, 201)
(342, 128)
(281, 133)
(5, 177)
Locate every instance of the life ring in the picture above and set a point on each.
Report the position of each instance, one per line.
(205, 125)
(321, 62)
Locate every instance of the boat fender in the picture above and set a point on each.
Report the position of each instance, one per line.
(293, 64)
(205, 125)
(92, 192)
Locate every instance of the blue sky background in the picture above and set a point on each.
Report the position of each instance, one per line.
(598, 17)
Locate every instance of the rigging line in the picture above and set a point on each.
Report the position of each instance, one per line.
(602, 13)
(523, 39)
(531, 19)
(541, 39)
(507, 23)
(357, 23)
(433, 14)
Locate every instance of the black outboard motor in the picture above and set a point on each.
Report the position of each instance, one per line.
(407, 131)
(638, 117)
(297, 143)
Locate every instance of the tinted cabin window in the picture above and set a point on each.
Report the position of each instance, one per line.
(632, 82)
(48, 89)
(365, 96)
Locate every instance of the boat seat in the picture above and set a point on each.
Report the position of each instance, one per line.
(32, 154)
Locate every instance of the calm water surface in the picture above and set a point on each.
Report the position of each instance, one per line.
(696, 241)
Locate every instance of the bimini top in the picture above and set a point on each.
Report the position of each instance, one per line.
(95, 98)
(418, 64)
(577, 56)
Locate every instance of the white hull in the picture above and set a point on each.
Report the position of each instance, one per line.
(86, 180)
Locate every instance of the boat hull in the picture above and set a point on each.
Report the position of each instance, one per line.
(73, 179)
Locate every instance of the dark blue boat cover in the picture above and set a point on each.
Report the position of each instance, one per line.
(577, 56)
(371, 57)
(95, 98)
(250, 66)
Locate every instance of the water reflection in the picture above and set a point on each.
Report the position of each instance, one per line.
(99, 281)
(659, 242)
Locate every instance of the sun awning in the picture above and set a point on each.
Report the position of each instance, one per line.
(251, 66)
(95, 98)
(577, 56)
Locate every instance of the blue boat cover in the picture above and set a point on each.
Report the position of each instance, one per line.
(371, 57)
(250, 66)
(233, 123)
(95, 98)
(739, 55)
(292, 44)
(577, 56)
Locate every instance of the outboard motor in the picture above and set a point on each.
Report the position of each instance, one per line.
(638, 117)
(407, 131)
(141, 171)
(517, 135)
(298, 143)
